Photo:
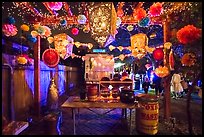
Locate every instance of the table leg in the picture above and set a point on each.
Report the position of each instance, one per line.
(74, 121)
(130, 121)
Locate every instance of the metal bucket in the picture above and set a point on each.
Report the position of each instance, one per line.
(147, 116)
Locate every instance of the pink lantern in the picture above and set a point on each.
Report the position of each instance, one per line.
(75, 31)
(158, 54)
(54, 5)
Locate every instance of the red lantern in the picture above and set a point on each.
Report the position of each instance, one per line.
(50, 57)
(75, 31)
(158, 54)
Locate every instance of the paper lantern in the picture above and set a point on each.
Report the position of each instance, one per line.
(102, 17)
(9, 30)
(75, 31)
(138, 43)
(162, 71)
(81, 19)
(158, 54)
(54, 5)
(25, 27)
(50, 57)
(63, 45)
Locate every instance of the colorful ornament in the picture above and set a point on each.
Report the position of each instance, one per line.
(50, 57)
(156, 9)
(139, 14)
(9, 30)
(158, 54)
(162, 71)
(63, 22)
(75, 31)
(188, 34)
(11, 20)
(32, 39)
(81, 19)
(54, 5)
(145, 22)
(25, 27)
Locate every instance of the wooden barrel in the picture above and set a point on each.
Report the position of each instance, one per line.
(92, 92)
(147, 116)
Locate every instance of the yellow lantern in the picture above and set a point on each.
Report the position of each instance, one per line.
(102, 17)
(162, 71)
(64, 45)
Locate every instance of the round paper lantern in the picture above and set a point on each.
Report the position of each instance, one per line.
(81, 19)
(158, 54)
(54, 5)
(75, 31)
(50, 57)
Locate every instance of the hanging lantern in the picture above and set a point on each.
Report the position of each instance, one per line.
(138, 43)
(102, 19)
(158, 54)
(162, 71)
(64, 45)
(54, 5)
(50, 57)
(75, 31)
(81, 19)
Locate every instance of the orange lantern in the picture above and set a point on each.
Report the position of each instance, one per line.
(162, 71)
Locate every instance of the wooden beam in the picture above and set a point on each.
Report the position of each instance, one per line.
(167, 95)
(37, 78)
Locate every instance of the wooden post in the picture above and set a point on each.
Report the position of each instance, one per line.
(37, 78)
(167, 95)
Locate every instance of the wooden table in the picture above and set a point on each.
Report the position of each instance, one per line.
(74, 103)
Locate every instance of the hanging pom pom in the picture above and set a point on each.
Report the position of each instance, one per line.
(11, 20)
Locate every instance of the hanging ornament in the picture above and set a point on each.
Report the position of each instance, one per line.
(158, 54)
(130, 27)
(25, 27)
(50, 57)
(9, 30)
(52, 96)
(81, 19)
(11, 20)
(54, 5)
(139, 14)
(145, 22)
(31, 39)
(188, 34)
(63, 22)
(75, 31)
(162, 71)
(156, 9)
